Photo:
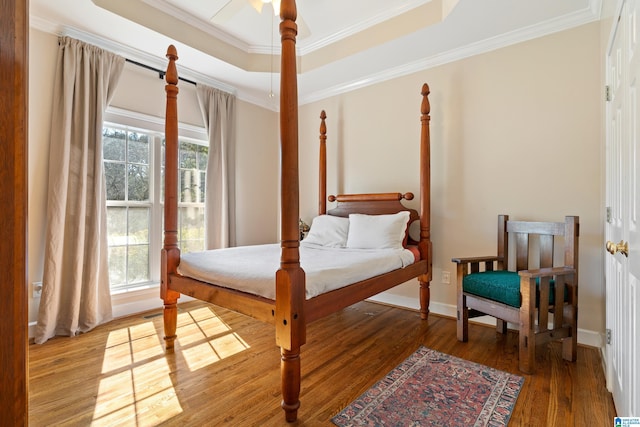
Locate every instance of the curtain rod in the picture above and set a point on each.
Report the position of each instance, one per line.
(161, 73)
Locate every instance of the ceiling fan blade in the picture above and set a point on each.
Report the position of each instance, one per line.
(257, 5)
(228, 11)
(303, 28)
(276, 7)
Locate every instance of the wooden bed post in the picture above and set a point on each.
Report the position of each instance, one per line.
(425, 202)
(322, 179)
(170, 252)
(290, 278)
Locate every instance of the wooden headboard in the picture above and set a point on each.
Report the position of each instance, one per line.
(371, 204)
(374, 204)
(380, 203)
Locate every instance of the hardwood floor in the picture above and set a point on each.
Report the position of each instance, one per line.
(225, 370)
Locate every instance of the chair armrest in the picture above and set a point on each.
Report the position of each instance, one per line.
(547, 272)
(528, 280)
(466, 260)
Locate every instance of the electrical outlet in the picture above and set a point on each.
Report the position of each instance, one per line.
(36, 290)
(446, 277)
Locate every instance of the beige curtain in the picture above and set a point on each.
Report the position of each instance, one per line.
(218, 111)
(75, 293)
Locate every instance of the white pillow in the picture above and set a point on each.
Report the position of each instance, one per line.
(377, 231)
(328, 230)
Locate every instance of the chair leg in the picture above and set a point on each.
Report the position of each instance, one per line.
(463, 318)
(527, 354)
(501, 326)
(527, 335)
(570, 344)
(569, 349)
(463, 311)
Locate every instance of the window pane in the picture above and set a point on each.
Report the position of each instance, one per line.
(203, 177)
(138, 264)
(117, 265)
(192, 223)
(202, 157)
(113, 144)
(187, 156)
(191, 246)
(138, 182)
(138, 148)
(138, 226)
(116, 226)
(191, 233)
(115, 179)
(190, 186)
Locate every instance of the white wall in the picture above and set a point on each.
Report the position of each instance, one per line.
(515, 131)
(43, 49)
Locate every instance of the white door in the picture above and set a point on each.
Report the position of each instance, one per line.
(633, 236)
(622, 265)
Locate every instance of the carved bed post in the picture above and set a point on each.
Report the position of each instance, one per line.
(290, 278)
(322, 179)
(170, 252)
(425, 202)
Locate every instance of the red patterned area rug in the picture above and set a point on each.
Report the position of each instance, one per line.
(434, 389)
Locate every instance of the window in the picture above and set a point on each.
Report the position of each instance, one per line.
(134, 166)
(128, 163)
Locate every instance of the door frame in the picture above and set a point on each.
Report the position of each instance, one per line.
(14, 37)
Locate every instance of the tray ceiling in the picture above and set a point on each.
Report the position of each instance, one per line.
(342, 45)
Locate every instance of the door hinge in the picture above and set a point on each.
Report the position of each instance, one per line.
(608, 335)
(607, 93)
(608, 214)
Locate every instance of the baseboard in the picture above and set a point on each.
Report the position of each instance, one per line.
(585, 337)
(128, 303)
(139, 301)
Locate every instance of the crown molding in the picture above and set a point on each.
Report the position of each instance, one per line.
(213, 31)
(360, 26)
(590, 14)
(127, 52)
(198, 23)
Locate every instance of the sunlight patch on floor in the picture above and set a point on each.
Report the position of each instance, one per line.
(214, 350)
(136, 386)
(143, 395)
(207, 339)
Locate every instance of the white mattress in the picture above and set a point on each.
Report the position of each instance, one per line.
(252, 268)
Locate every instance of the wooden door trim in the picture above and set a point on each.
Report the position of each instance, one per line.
(14, 35)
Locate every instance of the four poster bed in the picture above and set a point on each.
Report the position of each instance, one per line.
(298, 292)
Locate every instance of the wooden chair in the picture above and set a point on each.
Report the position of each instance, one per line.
(526, 290)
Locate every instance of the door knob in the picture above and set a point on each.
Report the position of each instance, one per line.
(622, 247)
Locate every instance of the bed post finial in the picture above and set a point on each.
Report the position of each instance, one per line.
(322, 180)
(171, 77)
(288, 10)
(426, 105)
(425, 201)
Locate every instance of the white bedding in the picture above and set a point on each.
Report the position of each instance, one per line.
(252, 268)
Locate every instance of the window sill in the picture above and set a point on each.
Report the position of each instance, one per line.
(127, 302)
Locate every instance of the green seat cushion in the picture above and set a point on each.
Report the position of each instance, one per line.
(501, 286)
